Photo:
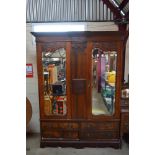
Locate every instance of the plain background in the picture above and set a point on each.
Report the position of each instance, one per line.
(13, 77)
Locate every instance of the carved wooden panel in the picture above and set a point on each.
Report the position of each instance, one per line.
(78, 75)
(105, 45)
(53, 46)
(79, 46)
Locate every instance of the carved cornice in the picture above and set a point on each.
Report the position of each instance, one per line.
(105, 45)
(79, 46)
(53, 46)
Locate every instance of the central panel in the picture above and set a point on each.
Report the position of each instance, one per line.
(78, 79)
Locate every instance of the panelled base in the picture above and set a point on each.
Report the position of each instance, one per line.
(81, 143)
(79, 134)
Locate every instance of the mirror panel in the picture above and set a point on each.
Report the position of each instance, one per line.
(103, 81)
(54, 77)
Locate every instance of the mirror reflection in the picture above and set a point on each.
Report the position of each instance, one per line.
(103, 81)
(54, 75)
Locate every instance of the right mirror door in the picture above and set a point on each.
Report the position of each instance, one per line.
(103, 81)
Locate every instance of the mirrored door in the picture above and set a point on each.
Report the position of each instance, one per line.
(54, 78)
(103, 81)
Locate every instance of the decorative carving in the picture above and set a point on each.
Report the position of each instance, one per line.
(53, 46)
(79, 46)
(105, 45)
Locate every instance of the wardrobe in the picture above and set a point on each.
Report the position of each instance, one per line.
(73, 113)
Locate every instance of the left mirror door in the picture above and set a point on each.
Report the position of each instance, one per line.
(54, 77)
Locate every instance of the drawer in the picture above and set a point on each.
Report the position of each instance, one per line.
(100, 135)
(59, 135)
(52, 134)
(125, 116)
(70, 135)
(59, 126)
(125, 122)
(125, 127)
(100, 126)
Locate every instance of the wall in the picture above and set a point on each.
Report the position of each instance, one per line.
(32, 83)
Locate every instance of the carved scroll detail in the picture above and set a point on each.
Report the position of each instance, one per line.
(79, 46)
(53, 46)
(105, 45)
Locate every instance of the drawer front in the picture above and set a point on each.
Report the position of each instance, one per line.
(100, 126)
(59, 135)
(100, 135)
(60, 130)
(49, 126)
(125, 127)
(70, 135)
(125, 122)
(52, 134)
(125, 117)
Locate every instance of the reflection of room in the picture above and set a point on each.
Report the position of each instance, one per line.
(54, 70)
(103, 85)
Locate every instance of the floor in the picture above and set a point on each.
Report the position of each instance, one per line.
(33, 148)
